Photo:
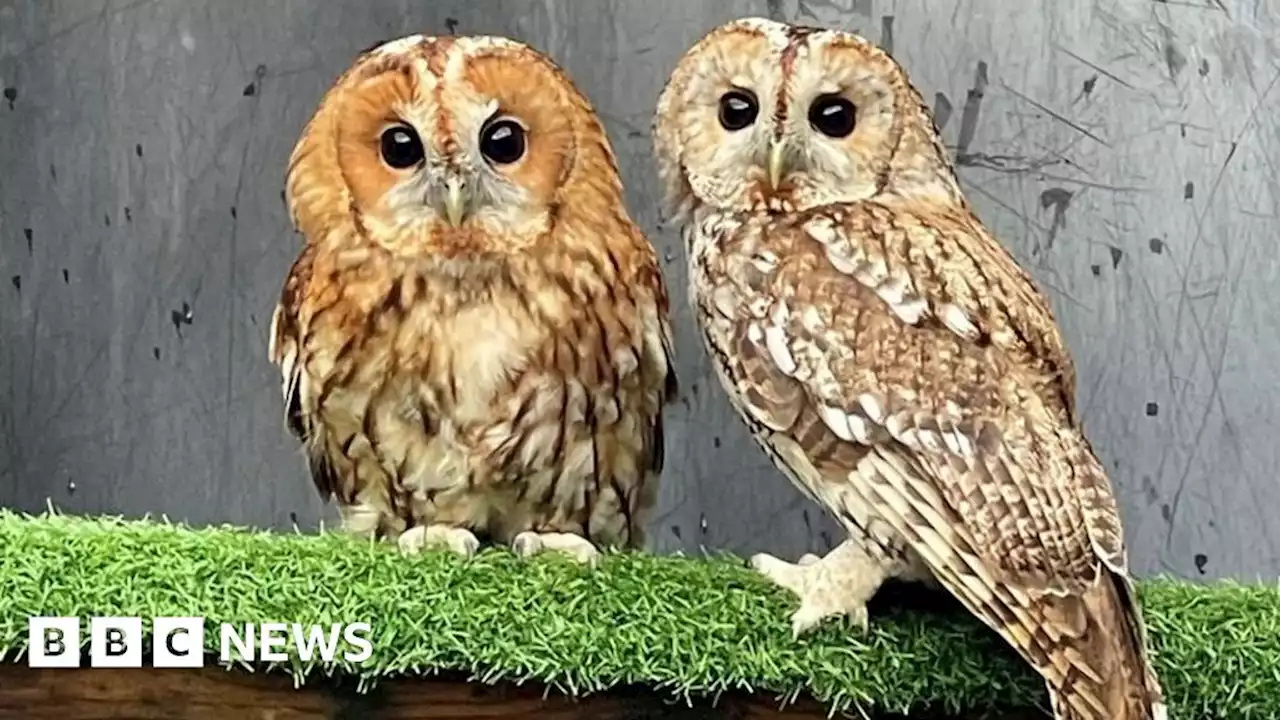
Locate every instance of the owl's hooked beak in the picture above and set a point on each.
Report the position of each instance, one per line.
(456, 200)
(777, 162)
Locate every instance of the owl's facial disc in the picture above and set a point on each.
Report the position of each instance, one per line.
(739, 114)
(403, 151)
(456, 186)
(760, 115)
(780, 146)
(503, 142)
(830, 116)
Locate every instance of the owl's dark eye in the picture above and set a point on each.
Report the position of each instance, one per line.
(502, 142)
(401, 147)
(832, 116)
(738, 109)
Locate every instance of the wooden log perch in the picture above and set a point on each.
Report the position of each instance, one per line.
(218, 694)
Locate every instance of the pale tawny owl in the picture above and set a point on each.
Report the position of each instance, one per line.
(474, 340)
(892, 358)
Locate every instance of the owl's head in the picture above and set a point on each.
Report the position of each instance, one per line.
(449, 146)
(761, 115)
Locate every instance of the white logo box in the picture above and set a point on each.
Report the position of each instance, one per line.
(178, 642)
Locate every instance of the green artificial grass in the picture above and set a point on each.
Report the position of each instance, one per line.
(688, 626)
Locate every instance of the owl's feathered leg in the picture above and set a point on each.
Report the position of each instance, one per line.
(530, 543)
(838, 584)
(460, 541)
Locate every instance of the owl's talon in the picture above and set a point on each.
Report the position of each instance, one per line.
(860, 619)
(839, 584)
(805, 619)
(460, 541)
(528, 544)
(782, 573)
(811, 615)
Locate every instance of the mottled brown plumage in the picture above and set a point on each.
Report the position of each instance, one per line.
(892, 358)
(474, 340)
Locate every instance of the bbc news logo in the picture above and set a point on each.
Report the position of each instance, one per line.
(178, 642)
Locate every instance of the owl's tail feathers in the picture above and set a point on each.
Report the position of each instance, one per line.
(1120, 683)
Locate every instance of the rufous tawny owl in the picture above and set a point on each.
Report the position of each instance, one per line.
(474, 339)
(892, 358)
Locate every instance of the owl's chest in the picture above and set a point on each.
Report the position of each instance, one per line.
(467, 361)
(419, 357)
(733, 274)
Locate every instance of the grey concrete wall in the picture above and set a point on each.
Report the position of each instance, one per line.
(1125, 151)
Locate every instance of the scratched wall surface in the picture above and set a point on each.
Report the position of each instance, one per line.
(1125, 151)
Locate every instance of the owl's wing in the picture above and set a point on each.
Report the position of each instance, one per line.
(285, 350)
(922, 342)
(670, 389)
(663, 352)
